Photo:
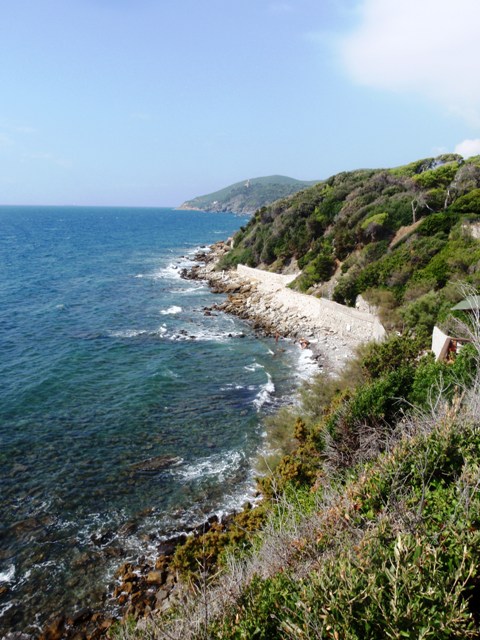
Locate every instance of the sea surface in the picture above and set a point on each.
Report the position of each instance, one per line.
(126, 413)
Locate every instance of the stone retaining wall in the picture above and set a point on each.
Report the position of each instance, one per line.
(325, 315)
(275, 279)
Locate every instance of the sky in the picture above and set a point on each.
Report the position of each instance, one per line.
(153, 102)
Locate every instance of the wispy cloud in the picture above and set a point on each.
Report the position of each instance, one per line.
(430, 48)
(468, 148)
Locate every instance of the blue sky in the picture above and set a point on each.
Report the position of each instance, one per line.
(152, 102)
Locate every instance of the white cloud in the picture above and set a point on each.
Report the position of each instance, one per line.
(429, 47)
(468, 148)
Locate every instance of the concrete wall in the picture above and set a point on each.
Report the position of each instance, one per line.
(440, 342)
(274, 279)
(324, 315)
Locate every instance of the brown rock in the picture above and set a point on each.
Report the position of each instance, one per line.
(124, 569)
(170, 581)
(161, 563)
(161, 595)
(54, 631)
(156, 577)
(80, 616)
(128, 587)
(130, 577)
(106, 624)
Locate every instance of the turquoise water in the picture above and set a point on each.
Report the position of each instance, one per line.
(107, 361)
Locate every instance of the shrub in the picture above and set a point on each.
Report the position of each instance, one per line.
(319, 270)
(436, 223)
(383, 357)
(468, 203)
(421, 315)
(438, 177)
(377, 219)
(346, 290)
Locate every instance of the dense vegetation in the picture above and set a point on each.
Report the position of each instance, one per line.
(369, 526)
(400, 237)
(249, 195)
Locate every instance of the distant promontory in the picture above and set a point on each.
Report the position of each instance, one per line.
(249, 195)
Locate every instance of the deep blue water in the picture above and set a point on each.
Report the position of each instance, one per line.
(107, 360)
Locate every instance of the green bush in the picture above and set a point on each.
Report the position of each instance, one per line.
(378, 218)
(468, 203)
(380, 400)
(318, 270)
(396, 555)
(382, 357)
(346, 291)
(436, 223)
(421, 315)
(440, 176)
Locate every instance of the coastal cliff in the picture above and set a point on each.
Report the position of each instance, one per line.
(371, 500)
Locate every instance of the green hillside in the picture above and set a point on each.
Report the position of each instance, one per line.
(249, 195)
(369, 523)
(400, 237)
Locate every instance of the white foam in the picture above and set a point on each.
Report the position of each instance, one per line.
(215, 465)
(174, 309)
(135, 333)
(231, 386)
(198, 249)
(190, 290)
(170, 272)
(253, 367)
(265, 393)
(307, 366)
(4, 610)
(128, 333)
(8, 575)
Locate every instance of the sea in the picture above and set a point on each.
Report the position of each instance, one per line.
(126, 413)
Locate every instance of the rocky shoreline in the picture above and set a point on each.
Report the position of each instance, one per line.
(141, 589)
(331, 332)
(151, 586)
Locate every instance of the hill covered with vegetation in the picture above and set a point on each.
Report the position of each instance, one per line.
(400, 237)
(247, 196)
(369, 525)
